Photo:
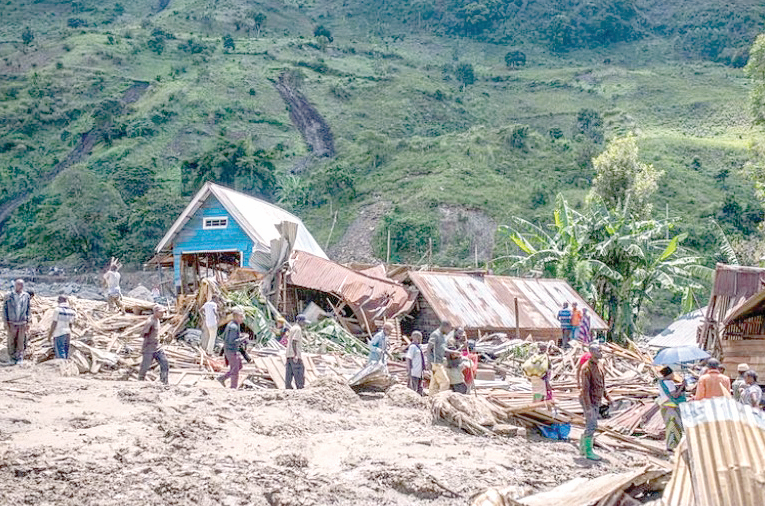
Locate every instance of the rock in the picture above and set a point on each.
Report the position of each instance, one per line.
(142, 293)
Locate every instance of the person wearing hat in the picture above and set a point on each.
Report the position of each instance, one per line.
(150, 349)
(436, 356)
(593, 391)
(739, 382)
(670, 397)
(295, 368)
(232, 341)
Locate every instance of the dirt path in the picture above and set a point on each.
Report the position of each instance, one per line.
(87, 441)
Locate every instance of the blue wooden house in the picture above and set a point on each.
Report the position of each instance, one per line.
(222, 229)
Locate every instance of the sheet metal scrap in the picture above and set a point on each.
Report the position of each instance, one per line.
(720, 460)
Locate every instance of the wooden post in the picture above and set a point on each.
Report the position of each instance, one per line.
(387, 256)
(476, 256)
(517, 320)
(430, 251)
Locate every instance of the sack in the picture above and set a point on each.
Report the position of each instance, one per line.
(536, 366)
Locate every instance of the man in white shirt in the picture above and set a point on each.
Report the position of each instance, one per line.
(60, 332)
(295, 368)
(415, 362)
(209, 325)
(113, 292)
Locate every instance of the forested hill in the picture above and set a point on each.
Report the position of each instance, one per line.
(435, 121)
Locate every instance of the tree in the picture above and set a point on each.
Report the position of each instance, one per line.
(613, 260)
(27, 36)
(590, 124)
(321, 31)
(755, 70)
(515, 59)
(465, 74)
(623, 181)
(78, 217)
(239, 165)
(228, 42)
(258, 21)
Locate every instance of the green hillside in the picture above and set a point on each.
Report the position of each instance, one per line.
(113, 114)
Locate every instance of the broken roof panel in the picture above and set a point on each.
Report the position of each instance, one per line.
(475, 301)
(369, 297)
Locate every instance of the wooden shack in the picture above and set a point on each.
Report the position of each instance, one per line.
(734, 326)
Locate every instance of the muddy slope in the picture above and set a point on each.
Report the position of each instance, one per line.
(312, 126)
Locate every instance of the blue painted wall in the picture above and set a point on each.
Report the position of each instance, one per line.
(194, 238)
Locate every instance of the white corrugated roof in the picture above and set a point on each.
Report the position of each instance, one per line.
(257, 218)
(681, 332)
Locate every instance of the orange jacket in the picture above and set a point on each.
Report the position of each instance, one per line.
(712, 384)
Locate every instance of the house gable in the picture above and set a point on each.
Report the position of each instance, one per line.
(195, 237)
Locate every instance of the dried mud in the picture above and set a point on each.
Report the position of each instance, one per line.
(92, 442)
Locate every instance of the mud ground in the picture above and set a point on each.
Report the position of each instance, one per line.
(89, 441)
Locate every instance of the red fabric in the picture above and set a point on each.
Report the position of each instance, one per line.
(470, 372)
(584, 358)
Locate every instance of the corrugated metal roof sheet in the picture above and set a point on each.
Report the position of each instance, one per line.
(375, 297)
(681, 332)
(258, 218)
(476, 301)
(721, 460)
(738, 281)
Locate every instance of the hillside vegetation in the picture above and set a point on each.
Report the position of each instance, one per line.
(436, 121)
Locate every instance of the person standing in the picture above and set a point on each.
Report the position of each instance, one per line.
(435, 353)
(576, 319)
(564, 317)
(584, 333)
(60, 333)
(671, 396)
(232, 340)
(593, 391)
(295, 368)
(113, 292)
(209, 312)
(536, 369)
(470, 373)
(378, 346)
(751, 393)
(415, 363)
(739, 382)
(713, 383)
(150, 350)
(16, 313)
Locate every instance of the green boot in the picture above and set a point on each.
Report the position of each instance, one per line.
(588, 453)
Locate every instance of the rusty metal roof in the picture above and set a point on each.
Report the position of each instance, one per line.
(373, 296)
(720, 460)
(476, 301)
(738, 281)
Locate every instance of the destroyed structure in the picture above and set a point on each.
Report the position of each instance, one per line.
(222, 229)
(734, 324)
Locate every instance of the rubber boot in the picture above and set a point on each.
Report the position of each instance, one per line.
(588, 453)
(581, 446)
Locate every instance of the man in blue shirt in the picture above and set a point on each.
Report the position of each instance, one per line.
(379, 344)
(564, 317)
